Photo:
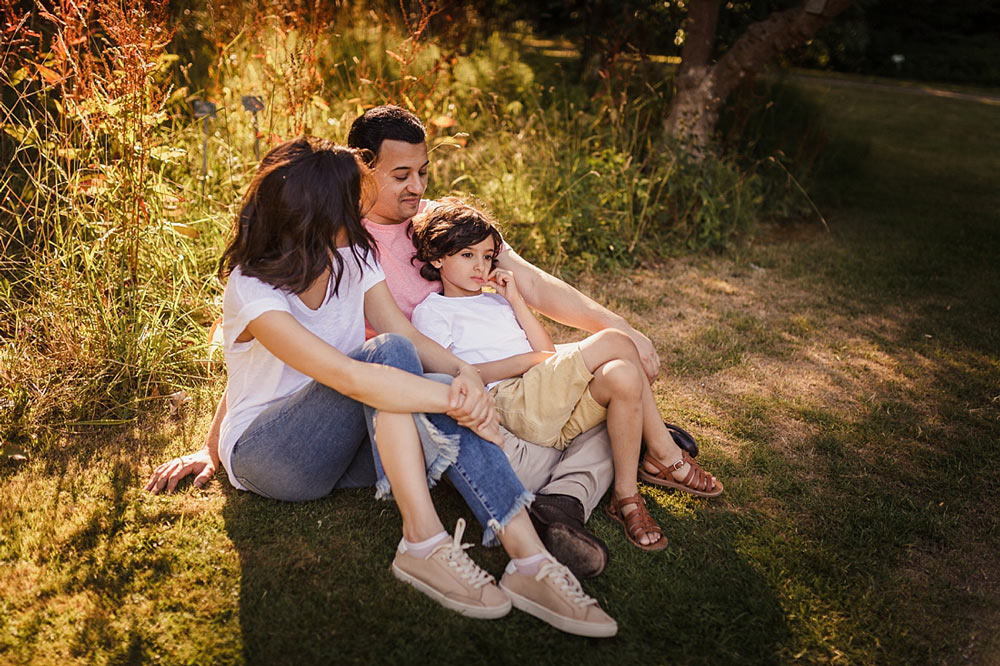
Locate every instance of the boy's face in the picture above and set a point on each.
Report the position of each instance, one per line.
(464, 273)
(400, 179)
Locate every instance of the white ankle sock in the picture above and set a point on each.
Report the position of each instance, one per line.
(527, 566)
(423, 548)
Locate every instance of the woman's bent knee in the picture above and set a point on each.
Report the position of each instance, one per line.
(393, 350)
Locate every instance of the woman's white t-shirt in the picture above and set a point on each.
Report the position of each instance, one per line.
(257, 377)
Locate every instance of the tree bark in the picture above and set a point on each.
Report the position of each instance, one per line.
(702, 88)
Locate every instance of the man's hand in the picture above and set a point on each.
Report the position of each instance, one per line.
(647, 353)
(471, 406)
(171, 472)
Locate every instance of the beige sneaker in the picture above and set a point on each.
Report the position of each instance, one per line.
(451, 578)
(554, 595)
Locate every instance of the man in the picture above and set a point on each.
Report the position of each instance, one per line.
(568, 484)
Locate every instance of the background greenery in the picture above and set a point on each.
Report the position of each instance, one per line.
(120, 184)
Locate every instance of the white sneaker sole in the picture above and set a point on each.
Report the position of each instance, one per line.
(478, 612)
(561, 622)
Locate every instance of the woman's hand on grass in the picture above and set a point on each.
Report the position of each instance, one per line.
(170, 473)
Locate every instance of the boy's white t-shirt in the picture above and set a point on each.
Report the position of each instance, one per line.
(477, 329)
(257, 377)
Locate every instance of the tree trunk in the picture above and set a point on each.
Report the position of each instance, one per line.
(702, 88)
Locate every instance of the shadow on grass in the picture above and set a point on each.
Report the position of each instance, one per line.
(315, 587)
(104, 561)
(879, 486)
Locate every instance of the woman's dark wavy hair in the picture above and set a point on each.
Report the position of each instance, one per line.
(448, 228)
(305, 192)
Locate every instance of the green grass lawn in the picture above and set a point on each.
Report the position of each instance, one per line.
(845, 386)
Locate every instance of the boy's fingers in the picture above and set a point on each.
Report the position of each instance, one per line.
(491, 433)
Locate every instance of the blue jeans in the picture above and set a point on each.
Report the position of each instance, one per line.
(317, 440)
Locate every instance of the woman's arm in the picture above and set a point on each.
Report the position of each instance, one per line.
(395, 386)
(203, 462)
(473, 405)
(380, 386)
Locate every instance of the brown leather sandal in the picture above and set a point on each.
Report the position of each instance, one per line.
(636, 522)
(697, 481)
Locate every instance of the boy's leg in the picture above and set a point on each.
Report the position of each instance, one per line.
(539, 404)
(609, 345)
(619, 384)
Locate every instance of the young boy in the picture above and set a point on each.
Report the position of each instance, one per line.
(543, 395)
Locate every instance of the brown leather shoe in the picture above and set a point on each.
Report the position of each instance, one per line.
(558, 519)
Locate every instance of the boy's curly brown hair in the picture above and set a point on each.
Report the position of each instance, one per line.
(447, 228)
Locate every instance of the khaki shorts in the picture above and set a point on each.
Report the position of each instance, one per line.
(551, 403)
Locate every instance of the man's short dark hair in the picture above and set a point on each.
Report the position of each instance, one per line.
(374, 126)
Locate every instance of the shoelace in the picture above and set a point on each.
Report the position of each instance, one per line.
(565, 581)
(456, 557)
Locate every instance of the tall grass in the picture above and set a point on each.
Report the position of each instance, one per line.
(103, 290)
(118, 183)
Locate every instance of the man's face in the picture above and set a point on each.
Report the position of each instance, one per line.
(401, 178)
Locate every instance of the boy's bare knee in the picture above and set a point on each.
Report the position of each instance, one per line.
(619, 343)
(622, 377)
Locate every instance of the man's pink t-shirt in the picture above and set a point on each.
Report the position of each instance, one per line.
(395, 249)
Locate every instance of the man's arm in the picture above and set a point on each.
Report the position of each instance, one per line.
(566, 305)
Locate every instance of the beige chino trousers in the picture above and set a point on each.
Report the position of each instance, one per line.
(583, 470)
